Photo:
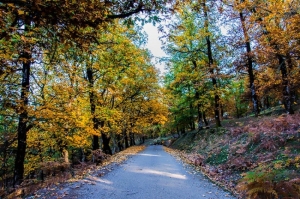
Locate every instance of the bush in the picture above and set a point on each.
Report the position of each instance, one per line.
(267, 182)
(98, 156)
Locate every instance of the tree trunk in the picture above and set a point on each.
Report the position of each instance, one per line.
(292, 88)
(191, 115)
(286, 90)
(119, 140)
(250, 67)
(267, 102)
(204, 118)
(222, 111)
(82, 157)
(200, 119)
(66, 156)
(105, 141)
(90, 76)
(23, 127)
(177, 130)
(96, 142)
(132, 141)
(182, 130)
(125, 139)
(192, 118)
(193, 127)
(211, 67)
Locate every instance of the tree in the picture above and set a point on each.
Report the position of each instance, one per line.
(192, 66)
(248, 56)
(211, 64)
(274, 20)
(26, 23)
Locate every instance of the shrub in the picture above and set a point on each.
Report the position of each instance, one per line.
(269, 183)
(98, 156)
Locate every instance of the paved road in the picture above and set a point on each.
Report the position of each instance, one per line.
(151, 174)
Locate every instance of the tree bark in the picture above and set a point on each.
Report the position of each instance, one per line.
(125, 139)
(183, 130)
(286, 90)
(267, 102)
(222, 111)
(192, 118)
(119, 140)
(211, 67)
(23, 127)
(200, 119)
(177, 130)
(132, 141)
(105, 141)
(66, 155)
(90, 76)
(204, 118)
(250, 66)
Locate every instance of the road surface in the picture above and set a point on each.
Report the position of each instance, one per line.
(151, 174)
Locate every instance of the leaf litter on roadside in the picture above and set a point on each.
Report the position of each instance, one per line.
(86, 174)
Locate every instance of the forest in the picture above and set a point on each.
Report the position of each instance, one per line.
(77, 80)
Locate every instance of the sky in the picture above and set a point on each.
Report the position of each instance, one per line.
(154, 45)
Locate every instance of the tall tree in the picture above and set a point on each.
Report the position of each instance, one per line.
(195, 59)
(250, 66)
(211, 64)
(67, 20)
(274, 20)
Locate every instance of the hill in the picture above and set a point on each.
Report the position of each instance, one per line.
(252, 157)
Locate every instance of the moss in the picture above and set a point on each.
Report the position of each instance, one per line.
(251, 147)
(220, 157)
(185, 142)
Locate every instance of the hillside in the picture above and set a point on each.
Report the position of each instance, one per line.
(252, 157)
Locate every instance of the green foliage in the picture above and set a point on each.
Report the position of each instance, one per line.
(233, 99)
(7, 147)
(271, 181)
(185, 141)
(123, 89)
(220, 157)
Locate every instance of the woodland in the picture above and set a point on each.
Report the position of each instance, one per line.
(78, 84)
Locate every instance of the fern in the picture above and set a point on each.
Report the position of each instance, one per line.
(289, 188)
(269, 184)
(262, 191)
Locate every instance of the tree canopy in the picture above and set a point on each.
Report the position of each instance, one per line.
(76, 77)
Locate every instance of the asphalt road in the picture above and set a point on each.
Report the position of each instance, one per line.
(151, 174)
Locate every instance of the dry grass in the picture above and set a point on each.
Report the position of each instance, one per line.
(245, 145)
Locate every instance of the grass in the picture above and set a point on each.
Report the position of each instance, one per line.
(219, 158)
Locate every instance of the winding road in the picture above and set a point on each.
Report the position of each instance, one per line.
(151, 174)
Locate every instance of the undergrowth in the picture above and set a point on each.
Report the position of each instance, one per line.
(279, 179)
(80, 171)
(257, 158)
